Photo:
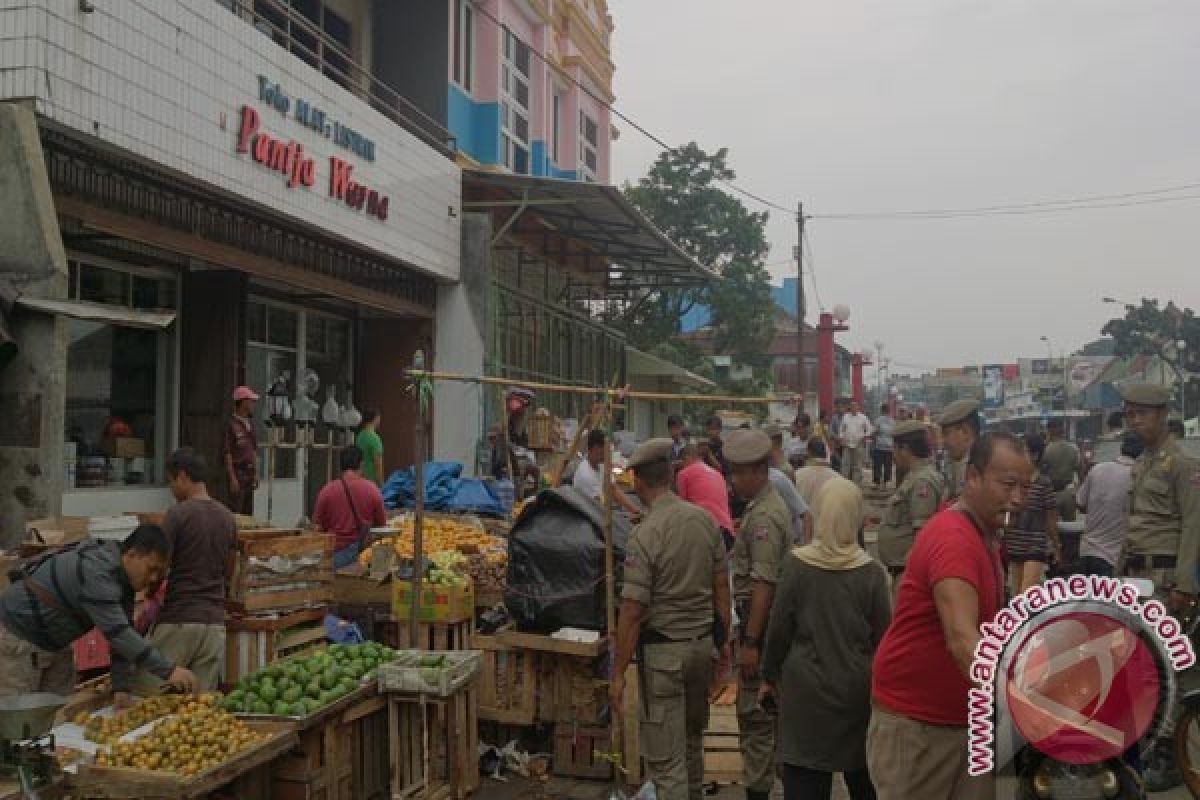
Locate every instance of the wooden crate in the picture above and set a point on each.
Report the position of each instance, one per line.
(579, 695)
(337, 757)
(253, 642)
(431, 635)
(121, 782)
(508, 682)
(252, 590)
(576, 748)
(434, 744)
(354, 586)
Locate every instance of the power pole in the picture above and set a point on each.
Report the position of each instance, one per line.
(800, 361)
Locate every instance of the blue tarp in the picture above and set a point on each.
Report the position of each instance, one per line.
(445, 490)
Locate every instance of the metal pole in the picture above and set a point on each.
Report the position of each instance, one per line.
(800, 305)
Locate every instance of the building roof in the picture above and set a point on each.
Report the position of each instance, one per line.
(588, 228)
(638, 362)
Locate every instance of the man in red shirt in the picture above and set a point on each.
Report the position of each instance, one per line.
(701, 485)
(954, 581)
(348, 507)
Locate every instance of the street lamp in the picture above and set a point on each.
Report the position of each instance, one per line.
(1049, 349)
(1114, 301)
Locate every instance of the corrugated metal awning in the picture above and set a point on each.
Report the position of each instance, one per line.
(586, 227)
(97, 312)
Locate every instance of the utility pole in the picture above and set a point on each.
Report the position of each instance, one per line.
(800, 361)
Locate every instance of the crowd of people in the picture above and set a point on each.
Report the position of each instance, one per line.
(858, 663)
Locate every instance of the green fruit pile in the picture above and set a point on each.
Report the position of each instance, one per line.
(301, 686)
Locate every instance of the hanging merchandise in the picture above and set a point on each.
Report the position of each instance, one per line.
(351, 417)
(330, 411)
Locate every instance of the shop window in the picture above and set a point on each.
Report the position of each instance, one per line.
(117, 406)
(274, 335)
(464, 44)
(514, 105)
(589, 147)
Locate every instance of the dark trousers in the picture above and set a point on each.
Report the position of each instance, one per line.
(802, 783)
(881, 466)
(1093, 565)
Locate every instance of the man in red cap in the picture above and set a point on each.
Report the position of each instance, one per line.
(240, 452)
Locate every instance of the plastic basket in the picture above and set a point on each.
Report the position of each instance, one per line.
(457, 670)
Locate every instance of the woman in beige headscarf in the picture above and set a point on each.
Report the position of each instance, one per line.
(831, 608)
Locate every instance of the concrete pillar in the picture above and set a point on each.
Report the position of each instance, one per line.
(825, 357)
(33, 386)
(856, 383)
(461, 331)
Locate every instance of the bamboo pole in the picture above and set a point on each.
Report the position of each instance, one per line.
(609, 392)
(616, 730)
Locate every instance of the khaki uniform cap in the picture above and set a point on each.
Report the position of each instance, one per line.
(907, 427)
(650, 451)
(1146, 394)
(747, 447)
(957, 412)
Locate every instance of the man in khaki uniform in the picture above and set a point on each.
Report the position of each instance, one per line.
(763, 539)
(960, 425)
(1063, 463)
(675, 582)
(917, 498)
(1164, 532)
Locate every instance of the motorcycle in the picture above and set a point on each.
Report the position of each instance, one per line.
(1041, 776)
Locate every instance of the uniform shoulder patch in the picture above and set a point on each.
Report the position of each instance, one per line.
(761, 533)
(923, 491)
(1195, 481)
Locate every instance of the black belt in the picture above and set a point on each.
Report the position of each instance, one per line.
(1151, 562)
(1060, 485)
(895, 571)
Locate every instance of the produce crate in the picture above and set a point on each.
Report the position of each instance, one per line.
(508, 684)
(576, 748)
(354, 586)
(92, 781)
(413, 671)
(338, 758)
(438, 603)
(256, 587)
(433, 635)
(253, 642)
(434, 745)
(580, 695)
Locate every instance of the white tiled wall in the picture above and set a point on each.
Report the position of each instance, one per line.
(166, 80)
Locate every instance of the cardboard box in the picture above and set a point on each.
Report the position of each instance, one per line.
(438, 603)
(123, 447)
(56, 531)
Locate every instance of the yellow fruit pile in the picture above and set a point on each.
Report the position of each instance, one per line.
(199, 738)
(438, 535)
(106, 730)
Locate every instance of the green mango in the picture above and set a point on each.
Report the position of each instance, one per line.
(311, 703)
(329, 678)
(268, 692)
(357, 667)
(292, 694)
(313, 688)
(299, 709)
(261, 708)
(280, 708)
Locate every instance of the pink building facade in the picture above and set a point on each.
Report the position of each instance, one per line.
(530, 83)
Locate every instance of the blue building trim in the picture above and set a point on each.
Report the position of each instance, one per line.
(476, 126)
(543, 165)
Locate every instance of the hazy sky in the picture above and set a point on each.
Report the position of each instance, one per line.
(865, 105)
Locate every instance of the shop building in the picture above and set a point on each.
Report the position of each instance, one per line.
(204, 194)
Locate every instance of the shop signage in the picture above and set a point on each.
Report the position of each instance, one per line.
(299, 168)
(310, 116)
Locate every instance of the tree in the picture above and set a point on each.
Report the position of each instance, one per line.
(1099, 347)
(681, 195)
(1149, 330)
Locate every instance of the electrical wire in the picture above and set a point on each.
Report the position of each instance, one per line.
(1121, 200)
(812, 269)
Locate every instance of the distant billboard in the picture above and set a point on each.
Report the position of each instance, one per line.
(993, 385)
(1041, 366)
